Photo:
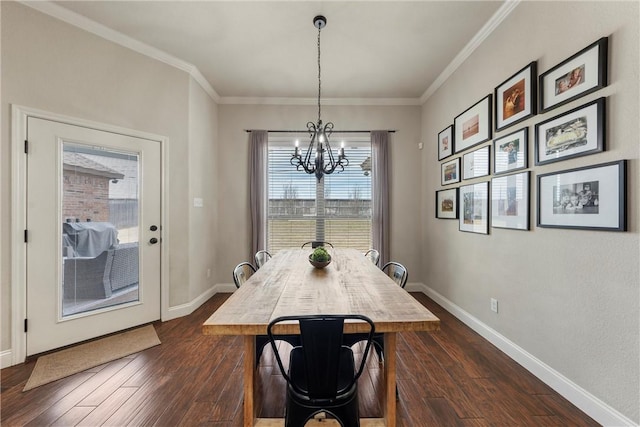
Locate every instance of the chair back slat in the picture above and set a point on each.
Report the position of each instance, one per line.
(321, 344)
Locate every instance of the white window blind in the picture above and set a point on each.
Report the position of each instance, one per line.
(336, 209)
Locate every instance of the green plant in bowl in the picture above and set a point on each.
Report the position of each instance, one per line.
(320, 254)
(320, 258)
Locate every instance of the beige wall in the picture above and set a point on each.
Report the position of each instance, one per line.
(233, 211)
(568, 297)
(52, 66)
(203, 184)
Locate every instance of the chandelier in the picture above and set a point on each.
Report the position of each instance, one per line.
(314, 161)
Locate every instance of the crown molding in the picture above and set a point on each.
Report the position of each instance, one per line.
(82, 22)
(77, 20)
(466, 52)
(240, 100)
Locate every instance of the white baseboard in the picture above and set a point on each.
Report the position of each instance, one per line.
(6, 359)
(581, 398)
(188, 308)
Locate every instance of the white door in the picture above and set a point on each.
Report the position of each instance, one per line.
(93, 239)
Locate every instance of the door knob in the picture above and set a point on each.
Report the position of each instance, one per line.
(153, 241)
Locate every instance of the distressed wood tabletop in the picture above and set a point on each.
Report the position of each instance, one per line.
(289, 285)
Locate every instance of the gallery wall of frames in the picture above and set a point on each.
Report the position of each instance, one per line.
(591, 197)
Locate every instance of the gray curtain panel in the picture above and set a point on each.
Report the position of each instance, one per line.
(380, 191)
(258, 149)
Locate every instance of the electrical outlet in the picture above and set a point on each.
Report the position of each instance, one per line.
(494, 305)
(208, 273)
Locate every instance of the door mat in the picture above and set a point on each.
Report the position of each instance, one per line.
(63, 363)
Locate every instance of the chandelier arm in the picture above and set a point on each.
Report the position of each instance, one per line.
(332, 160)
(308, 164)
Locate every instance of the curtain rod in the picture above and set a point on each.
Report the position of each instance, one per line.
(307, 131)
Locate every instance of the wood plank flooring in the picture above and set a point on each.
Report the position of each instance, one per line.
(452, 377)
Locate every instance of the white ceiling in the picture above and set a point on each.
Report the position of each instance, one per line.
(376, 50)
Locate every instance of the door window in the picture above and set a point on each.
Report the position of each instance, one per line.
(100, 238)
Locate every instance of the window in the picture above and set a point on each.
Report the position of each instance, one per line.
(336, 209)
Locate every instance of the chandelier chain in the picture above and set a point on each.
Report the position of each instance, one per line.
(319, 80)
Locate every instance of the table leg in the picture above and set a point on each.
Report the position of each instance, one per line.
(249, 369)
(390, 378)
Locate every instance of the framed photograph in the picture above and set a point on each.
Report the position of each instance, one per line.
(576, 133)
(447, 204)
(510, 201)
(445, 143)
(474, 125)
(474, 208)
(510, 152)
(582, 73)
(515, 98)
(450, 171)
(476, 163)
(592, 198)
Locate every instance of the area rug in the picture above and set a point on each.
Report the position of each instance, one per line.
(63, 363)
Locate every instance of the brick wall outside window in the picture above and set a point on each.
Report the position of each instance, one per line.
(85, 196)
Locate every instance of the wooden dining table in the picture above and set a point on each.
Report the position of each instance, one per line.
(289, 285)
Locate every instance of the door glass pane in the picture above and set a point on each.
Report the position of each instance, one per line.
(100, 251)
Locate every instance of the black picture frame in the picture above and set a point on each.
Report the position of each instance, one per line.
(510, 201)
(578, 132)
(588, 198)
(473, 126)
(447, 203)
(515, 99)
(450, 171)
(580, 74)
(446, 142)
(511, 152)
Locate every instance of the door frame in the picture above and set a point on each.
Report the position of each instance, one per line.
(19, 115)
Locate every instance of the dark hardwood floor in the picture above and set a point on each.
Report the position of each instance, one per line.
(448, 378)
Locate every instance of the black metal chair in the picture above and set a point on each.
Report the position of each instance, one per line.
(261, 257)
(242, 272)
(322, 375)
(316, 243)
(373, 255)
(397, 272)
